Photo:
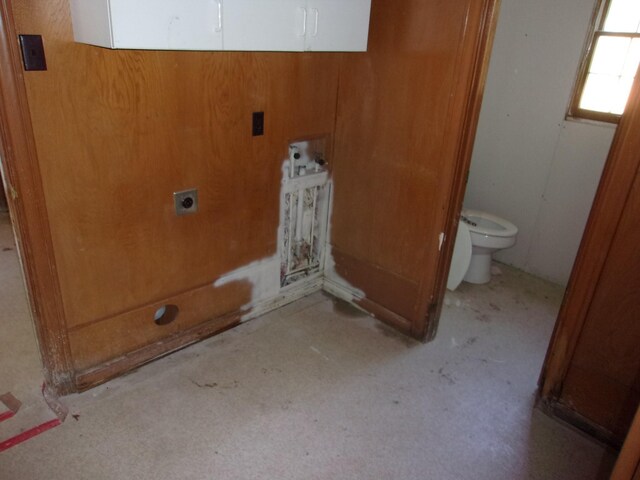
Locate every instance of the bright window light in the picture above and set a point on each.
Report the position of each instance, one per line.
(610, 62)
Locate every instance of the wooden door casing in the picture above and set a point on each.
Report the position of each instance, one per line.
(29, 214)
(591, 374)
(628, 464)
(603, 380)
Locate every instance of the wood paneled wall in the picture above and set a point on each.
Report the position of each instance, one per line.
(117, 132)
(403, 110)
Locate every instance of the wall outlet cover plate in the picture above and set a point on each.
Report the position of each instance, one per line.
(32, 52)
(186, 201)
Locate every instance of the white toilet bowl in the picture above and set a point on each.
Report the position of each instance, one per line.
(483, 234)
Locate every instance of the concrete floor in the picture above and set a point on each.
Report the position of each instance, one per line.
(20, 370)
(316, 390)
(20, 366)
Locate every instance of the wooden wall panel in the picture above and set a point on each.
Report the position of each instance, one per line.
(103, 340)
(117, 132)
(603, 381)
(402, 113)
(591, 375)
(21, 172)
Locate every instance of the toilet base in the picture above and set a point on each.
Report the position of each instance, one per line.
(479, 269)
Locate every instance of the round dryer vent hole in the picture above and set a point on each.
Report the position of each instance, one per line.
(166, 314)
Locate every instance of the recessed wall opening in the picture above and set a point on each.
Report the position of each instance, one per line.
(166, 314)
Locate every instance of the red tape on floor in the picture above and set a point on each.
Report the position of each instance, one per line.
(27, 434)
(6, 415)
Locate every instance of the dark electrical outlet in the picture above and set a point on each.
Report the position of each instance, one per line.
(32, 52)
(258, 123)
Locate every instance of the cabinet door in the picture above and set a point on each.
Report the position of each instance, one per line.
(267, 25)
(337, 25)
(167, 24)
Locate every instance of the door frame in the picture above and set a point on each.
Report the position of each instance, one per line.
(432, 299)
(628, 465)
(27, 207)
(621, 168)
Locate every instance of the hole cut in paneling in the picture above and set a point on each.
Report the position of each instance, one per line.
(166, 314)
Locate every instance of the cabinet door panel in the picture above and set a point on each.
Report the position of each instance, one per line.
(91, 22)
(167, 24)
(337, 25)
(264, 25)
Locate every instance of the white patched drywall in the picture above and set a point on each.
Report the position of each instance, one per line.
(530, 165)
(264, 275)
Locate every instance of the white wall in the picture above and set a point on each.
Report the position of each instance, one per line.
(529, 165)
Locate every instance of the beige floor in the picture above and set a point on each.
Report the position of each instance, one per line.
(317, 390)
(20, 366)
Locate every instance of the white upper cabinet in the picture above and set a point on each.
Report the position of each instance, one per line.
(296, 25)
(264, 25)
(337, 25)
(149, 24)
(253, 25)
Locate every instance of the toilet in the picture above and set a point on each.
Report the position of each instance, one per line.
(480, 234)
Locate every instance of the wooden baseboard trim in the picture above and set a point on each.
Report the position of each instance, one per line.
(575, 421)
(286, 296)
(386, 316)
(95, 376)
(107, 371)
(340, 290)
(378, 311)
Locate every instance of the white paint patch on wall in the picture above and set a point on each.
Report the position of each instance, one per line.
(530, 165)
(264, 277)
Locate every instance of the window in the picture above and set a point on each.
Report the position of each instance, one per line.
(609, 63)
